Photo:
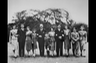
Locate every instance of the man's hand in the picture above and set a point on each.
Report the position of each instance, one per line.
(40, 36)
(63, 35)
(60, 37)
(56, 34)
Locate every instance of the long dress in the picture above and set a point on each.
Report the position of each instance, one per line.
(52, 40)
(14, 41)
(28, 41)
(83, 40)
(67, 44)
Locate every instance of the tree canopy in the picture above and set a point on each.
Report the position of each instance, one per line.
(49, 18)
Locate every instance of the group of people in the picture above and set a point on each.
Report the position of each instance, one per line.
(53, 40)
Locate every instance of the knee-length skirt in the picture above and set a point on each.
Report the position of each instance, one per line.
(67, 44)
(15, 44)
(34, 43)
(52, 43)
(47, 43)
(28, 44)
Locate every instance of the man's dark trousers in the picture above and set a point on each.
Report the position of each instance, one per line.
(41, 46)
(59, 47)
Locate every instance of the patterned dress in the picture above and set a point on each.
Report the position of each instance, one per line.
(34, 40)
(52, 40)
(28, 41)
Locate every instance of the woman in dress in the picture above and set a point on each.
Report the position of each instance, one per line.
(28, 41)
(52, 40)
(14, 41)
(34, 42)
(67, 44)
(47, 43)
(75, 42)
(83, 39)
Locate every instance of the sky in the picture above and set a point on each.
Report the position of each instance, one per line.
(78, 9)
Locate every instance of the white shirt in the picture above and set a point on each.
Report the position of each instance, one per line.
(14, 33)
(51, 33)
(28, 32)
(66, 31)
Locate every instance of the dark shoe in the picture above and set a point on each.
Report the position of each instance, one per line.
(47, 53)
(42, 55)
(83, 56)
(67, 55)
(77, 56)
(74, 55)
(61, 54)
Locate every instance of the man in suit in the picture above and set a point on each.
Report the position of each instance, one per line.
(21, 39)
(59, 40)
(41, 34)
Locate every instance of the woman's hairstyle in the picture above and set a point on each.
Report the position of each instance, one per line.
(28, 27)
(13, 26)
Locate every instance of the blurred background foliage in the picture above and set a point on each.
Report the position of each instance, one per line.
(49, 18)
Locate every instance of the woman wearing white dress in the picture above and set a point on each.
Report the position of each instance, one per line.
(83, 39)
(14, 41)
(52, 40)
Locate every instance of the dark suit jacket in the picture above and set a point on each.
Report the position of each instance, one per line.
(41, 39)
(42, 33)
(21, 36)
(58, 33)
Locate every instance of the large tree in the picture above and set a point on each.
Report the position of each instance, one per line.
(49, 18)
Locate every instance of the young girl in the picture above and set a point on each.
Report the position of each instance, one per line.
(13, 40)
(28, 41)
